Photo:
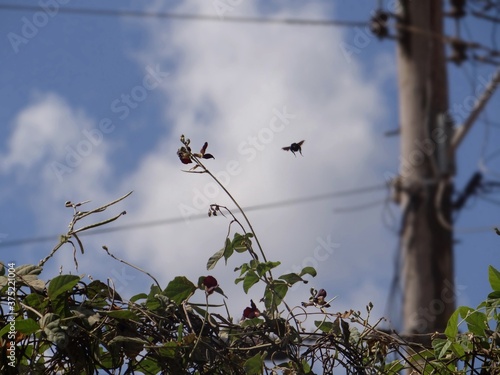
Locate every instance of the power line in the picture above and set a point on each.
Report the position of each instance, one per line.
(178, 219)
(359, 207)
(187, 17)
(237, 19)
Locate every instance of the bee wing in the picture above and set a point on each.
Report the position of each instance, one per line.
(300, 143)
(286, 148)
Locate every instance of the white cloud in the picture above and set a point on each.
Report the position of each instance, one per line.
(52, 141)
(230, 85)
(39, 131)
(227, 83)
(46, 133)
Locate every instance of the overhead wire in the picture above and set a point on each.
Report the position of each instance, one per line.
(253, 20)
(180, 219)
(186, 17)
(470, 78)
(256, 20)
(494, 30)
(237, 19)
(360, 207)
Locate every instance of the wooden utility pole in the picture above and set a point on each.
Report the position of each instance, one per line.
(426, 168)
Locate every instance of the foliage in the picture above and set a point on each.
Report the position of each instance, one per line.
(71, 325)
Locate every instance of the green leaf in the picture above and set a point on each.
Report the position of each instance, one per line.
(262, 268)
(437, 345)
(28, 269)
(26, 275)
(425, 354)
(27, 326)
(308, 271)
(179, 289)
(97, 289)
(220, 291)
(169, 349)
(250, 280)
(394, 367)
(4, 330)
(109, 359)
(228, 249)
(494, 295)
(89, 315)
(61, 284)
(241, 243)
(139, 296)
(274, 294)
(476, 320)
(458, 349)
(280, 289)
(306, 367)
(154, 290)
(153, 302)
(451, 330)
(292, 278)
(37, 302)
(444, 349)
(123, 314)
(149, 366)
(50, 323)
(33, 282)
(494, 278)
(324, 326)
(255, 364)
(212, 261)
(254, 322)
(243, 268)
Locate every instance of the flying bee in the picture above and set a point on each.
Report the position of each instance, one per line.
(294, 147)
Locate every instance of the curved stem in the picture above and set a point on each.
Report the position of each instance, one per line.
(235, 202)
(199, 163)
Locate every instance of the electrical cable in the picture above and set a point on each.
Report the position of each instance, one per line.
(359, 207)
(187, 17)
(176, 220)
(236, 19)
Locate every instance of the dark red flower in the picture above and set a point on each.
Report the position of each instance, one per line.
(320, 298)
(204, 148)
(251, 312)
(184, 155)
(202, 152)
(210, 284)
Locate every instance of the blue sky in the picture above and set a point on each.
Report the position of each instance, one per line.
(93, 107)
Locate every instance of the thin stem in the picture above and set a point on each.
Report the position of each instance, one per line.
(105, 248)
(235, 202)
(205, 169)
(253, 232)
